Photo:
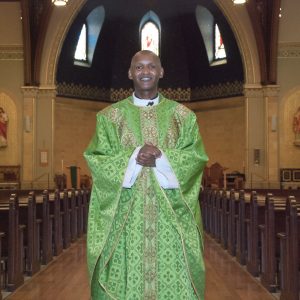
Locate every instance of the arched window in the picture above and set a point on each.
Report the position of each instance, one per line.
(213, 41)
(150, 32)
(220, 52)
(88, 37)
(81, 48)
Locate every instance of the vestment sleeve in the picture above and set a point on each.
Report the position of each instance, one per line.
(188, 160)
(107, 160)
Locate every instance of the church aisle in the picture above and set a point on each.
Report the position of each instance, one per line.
(227, 279)
(66, 278)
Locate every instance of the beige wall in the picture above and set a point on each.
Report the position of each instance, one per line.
(289, 81)
(222, 127)
(75, 123)
(11, 79)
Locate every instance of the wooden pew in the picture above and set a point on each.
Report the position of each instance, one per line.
(79, 205)
(204, 200)
(85, 208)
(218, 215)
(27, 214)
(274, 223)
(212, 212)
(58, 219)
(2, 234)
(66, 219)
(12, 243)
(225, 218)
(207, 216)
(43, 212)
(72, 198)
(232, 222)
(242, 220)
(289, 252)
(256, 217)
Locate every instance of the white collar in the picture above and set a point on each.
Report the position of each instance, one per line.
(144, 102)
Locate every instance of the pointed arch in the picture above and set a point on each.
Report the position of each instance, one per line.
(212, 38)
(61, 21)
(150, 32)
(88, 37)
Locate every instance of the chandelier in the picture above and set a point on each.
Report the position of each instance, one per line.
(239, 1)
(60, 2)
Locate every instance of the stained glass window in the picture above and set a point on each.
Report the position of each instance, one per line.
(81, 49)
(88, 37)
(220, 52)
(150, 37)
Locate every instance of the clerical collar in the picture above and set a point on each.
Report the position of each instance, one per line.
(145, 102)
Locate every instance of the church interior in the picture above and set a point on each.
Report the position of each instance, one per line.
(237, 66)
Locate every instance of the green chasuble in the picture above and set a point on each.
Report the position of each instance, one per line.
(145, 242)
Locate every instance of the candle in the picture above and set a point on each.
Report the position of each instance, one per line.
(62, 166)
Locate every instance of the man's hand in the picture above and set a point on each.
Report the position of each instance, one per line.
(147, 155)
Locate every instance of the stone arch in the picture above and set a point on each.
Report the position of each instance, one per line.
(240, 23)
(61, 19)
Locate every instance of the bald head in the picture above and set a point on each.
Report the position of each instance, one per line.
(145, 52)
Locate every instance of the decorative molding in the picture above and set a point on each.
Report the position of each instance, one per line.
(11, 52)
(221, 90)
(87, 92)
(35, 91)
(47, 91)
(70, 12)
(289, 50)
(228, 89)
(119, 94)
(271, 90)
(29, 91)
(253, 91)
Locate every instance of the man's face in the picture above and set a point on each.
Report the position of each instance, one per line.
(145, 72)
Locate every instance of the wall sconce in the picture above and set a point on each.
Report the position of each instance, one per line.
(256, 157)
(274, 123)
(60, 2)
(27, 124)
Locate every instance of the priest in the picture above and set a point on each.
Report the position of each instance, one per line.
(145, 238)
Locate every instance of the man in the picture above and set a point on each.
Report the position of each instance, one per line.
(144, 232)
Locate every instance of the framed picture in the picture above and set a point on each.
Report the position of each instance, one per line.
(296, 175)
(44, 158)
(286, 175)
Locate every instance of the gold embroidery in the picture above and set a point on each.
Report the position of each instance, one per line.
(126, 136)
(149, 125)
(149, 128)
(182, 110)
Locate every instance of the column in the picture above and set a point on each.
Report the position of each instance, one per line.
(29, 129)
(38, 137)
(271, 93)
(45, 111)
(256, 143)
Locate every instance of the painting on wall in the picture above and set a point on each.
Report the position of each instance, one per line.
(296, 127)
(3, 128)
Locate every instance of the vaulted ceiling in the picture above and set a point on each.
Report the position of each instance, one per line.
(183, 53)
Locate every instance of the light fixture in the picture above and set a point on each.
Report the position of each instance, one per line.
(239, 1)
(60, 2)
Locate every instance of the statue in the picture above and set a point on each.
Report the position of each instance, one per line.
(296, 127)
(3, 128)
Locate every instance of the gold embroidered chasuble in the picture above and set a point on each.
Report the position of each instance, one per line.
(145, 242)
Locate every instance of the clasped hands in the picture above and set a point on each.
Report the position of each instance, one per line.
(148, 155)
